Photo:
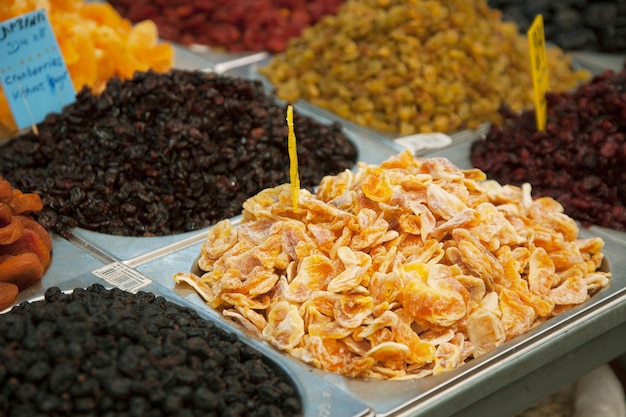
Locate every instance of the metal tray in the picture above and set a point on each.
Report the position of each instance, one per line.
(223, 60)
(597, 62)
(68, 260)
(318, 397)
(432, 396)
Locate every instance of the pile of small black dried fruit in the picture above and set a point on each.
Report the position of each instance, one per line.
(109, 353)
(596, 25)
(166, 153)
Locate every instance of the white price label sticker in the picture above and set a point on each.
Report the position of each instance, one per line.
(424, 141)
(122, 276)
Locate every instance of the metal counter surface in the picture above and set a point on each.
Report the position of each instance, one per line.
(596, 62)
(68, 261)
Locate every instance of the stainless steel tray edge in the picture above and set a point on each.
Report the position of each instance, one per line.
(424, 396)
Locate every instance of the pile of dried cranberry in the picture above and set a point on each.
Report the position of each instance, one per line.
(580, 158)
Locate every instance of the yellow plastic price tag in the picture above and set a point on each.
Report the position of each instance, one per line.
(539, 70)
(293, 160)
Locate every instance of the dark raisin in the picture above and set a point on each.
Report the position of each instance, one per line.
(162, 154)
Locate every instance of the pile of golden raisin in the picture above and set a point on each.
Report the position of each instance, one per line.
(414, 66)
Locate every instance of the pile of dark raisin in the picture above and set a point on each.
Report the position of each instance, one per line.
(580, 158)
(166, 153)
(598, 25)
(110, 353)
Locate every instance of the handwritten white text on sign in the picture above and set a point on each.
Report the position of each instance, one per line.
(33, 74)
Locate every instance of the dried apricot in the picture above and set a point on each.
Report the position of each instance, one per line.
(8, 294)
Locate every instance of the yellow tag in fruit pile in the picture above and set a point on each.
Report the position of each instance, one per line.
(539, 70)
(293, 160)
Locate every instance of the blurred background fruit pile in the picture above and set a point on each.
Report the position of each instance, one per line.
(252, 25)
(596, 25)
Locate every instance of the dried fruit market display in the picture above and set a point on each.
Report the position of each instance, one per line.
(408, 67)
(401, 270)
(96, 43)
(104, 352)
(253, 25)
(165, 153)
(578, 159)
(25, 245)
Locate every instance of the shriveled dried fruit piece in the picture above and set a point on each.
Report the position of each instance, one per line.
(22, 203)
(25, 245)
(31, 224)
(8, 294)
(29, 242)
(22, 270)
(5, 214)
(11, 232)
(285, 327)
(6, 191)
(485, 331)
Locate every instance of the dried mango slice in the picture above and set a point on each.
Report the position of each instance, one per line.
(444, 268)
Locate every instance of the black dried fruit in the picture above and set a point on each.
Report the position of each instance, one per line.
(163, 154)
(159, 372)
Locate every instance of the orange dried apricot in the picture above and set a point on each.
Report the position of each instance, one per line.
(11, 232)
(22, 270)
(8, 294)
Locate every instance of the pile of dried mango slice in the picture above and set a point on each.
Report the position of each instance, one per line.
(96, 43)
(401, 270)
(25, 245)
